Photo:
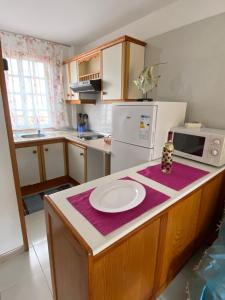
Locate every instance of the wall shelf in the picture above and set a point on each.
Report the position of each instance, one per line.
(89, 76)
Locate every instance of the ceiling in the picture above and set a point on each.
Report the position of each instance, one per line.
(73, 22)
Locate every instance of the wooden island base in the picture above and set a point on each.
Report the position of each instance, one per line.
(141, 264)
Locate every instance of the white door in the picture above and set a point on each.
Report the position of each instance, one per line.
(74, 78)
(134, 124)
(112, 72)
(124, 156)
(28, 165)
(77, 162)
(54, 160)
(95, 164)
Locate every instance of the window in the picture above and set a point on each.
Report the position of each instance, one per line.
(29, 94)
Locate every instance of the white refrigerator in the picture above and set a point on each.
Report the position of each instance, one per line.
(139, 131)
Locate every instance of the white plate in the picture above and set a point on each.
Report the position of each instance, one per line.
(117, 196)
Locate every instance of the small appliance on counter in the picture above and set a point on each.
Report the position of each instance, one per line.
(82, 122)
(206, 145)
(139, 131)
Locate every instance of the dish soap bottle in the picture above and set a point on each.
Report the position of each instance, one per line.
(167, 155)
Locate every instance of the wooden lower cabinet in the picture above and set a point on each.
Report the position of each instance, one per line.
(138, 266)
(211, 206)
(127, 271)
(180, 234)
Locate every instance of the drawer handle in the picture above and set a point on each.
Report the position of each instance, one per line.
(46, 149)
(81, 154)
(34, 151)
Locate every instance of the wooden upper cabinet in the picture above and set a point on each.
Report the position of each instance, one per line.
(112, 72)
(118, 63)
(121, 65)
(70, 75)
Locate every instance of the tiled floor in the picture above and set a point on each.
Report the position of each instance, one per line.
(27, 276)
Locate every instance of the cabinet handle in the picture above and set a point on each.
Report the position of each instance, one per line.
(46, 149)
(81, 154)
(34, 151)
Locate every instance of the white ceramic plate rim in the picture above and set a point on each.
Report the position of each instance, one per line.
(94, 196)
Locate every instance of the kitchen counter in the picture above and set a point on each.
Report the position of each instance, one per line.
(70, 135)
(95, 240)
(138, 260)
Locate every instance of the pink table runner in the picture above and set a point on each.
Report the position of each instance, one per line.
(180, 176)
(108, 222)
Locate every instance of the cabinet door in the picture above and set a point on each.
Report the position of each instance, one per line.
(210, 204)
(28, 165)
(77, 163)
(179, 236)
(66, 82)
(136, 66)
(74, 78)
(112, 72)
(95, 164)
(54, 160)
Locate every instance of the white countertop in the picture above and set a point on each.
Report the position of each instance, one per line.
(92, 236)
(70, 135)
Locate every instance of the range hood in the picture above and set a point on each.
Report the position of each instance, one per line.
(87, 86)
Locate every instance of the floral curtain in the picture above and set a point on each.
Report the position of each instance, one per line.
(26, 50)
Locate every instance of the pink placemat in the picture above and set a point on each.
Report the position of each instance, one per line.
(180, 176)
(108, 222)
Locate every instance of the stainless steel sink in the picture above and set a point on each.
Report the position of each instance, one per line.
(32, 135)
(91, 137)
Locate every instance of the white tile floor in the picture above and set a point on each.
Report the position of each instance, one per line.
(27, 276)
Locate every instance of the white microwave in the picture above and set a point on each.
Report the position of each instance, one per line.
(206, 145)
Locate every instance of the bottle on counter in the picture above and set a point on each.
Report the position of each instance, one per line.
(167, 154)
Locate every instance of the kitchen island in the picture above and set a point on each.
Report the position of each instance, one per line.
(139, 259)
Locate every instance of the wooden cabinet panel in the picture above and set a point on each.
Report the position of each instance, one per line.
(28, 165)
(127, 271)
(73, 78)
(68, 260)
(112, 72)
(54, 160)
(210, 204)
(180, 235)
(77, 162)
(66, 82)
(136, 66)
(70, 75)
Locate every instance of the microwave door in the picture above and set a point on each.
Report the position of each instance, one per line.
(134, 124)
(189, 144)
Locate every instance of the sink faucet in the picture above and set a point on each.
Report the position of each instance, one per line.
(39, 131)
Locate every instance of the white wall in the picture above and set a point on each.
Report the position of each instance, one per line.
(195, 71)
(10, 229)
(180, 47)
(175, 15)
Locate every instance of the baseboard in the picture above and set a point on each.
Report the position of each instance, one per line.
(36, 188)
(8, 255)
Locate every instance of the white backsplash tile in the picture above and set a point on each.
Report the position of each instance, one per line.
(100, 117)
